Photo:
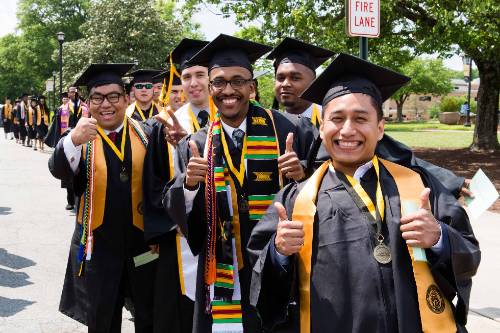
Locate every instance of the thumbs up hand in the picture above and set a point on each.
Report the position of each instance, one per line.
(289, 235)
(420, 229)
(196, 168)
(289, 164)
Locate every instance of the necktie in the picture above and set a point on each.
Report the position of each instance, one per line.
(202, 118)
(237, 137)
(112, 136)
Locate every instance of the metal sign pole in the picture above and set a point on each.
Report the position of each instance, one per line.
(363, 48)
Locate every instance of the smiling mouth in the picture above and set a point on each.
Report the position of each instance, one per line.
(107, 114)
(347, 145)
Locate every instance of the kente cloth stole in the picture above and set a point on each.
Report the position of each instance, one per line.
(92, 203)
(64, 119)
(316, 115)
(435, 310)
(234, 188)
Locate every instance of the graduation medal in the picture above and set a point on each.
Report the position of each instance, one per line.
(381, 252)
(124, 175)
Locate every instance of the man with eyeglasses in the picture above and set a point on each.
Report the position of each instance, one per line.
(103, 157)
(228, 174)
(175, 283)
(142, 85)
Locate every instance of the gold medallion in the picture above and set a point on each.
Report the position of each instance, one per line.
(382, 253)
(124, 176)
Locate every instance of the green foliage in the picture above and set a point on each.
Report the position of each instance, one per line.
(454, 103)
(123, 31)
(434, 139)
(427, 77)
(434, 111)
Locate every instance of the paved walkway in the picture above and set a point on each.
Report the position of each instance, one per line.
(35, 231)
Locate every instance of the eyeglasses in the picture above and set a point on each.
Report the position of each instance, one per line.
(237, 83)
(143, 85)
(98, 99)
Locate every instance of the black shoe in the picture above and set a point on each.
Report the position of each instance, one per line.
(69, 207)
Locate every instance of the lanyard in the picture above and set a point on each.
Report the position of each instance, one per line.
(142, 114)
(120, 153)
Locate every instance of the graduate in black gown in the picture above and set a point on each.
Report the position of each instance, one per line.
(144, 106)
(42, 116)
(175, 282)
(103, 157)
(31, 122)
(362, 245)
(252, 152)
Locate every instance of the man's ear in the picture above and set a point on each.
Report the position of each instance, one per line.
(380, 127)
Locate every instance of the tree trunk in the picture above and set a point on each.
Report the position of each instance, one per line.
(485, 132)
(399, 108)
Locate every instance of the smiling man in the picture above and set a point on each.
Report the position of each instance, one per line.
(143, 87)
(227, 175)
(295, 64)
(364, 245)
(103, 157)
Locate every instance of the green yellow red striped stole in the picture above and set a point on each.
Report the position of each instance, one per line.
(254, 179)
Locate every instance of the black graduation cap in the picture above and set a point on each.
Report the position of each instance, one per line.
(100, 74)
(348, 74)
(166, 75)
(184, 51)
(291, 50)
(228, 51)
(144, 75)
(64, 94)
(24, 95)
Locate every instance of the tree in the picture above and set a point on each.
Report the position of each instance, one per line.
(474, 27)
(122, 31)
(427, 77)
(408, 28)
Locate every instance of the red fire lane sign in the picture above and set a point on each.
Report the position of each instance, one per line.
(363, 18)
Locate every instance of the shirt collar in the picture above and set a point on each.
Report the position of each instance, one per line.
(196, 110)
(229, 130)
(117, 130)
(360, 171)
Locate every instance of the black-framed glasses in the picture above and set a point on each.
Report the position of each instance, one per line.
(98, 99)
(143, 85)
(236, 83)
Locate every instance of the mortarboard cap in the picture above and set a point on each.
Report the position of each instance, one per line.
(24, 95)
(143, 75)
(348, 74)
(184, 51)
(96, 75)
(164, 75)
(228, 51)
(64, 94)
(291, 50)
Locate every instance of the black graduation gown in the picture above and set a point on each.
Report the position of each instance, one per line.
(41, 129)
(54, 132)
(397, 152)
(138, 117)
(348, 286)
(173, 311)
(193, 225)
(110, 274)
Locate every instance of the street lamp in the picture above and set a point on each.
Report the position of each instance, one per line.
(54, 73)
(467, 61)
(60, 39)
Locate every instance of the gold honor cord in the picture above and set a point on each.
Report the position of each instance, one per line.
(195, 125)
(120, 153)
(240, 174)
(366, 198)
(173, 71)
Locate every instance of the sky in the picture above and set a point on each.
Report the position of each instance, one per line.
(212, 23)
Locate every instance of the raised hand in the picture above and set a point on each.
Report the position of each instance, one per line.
(289, 234)
(420, 229)
(84, 131)
(289, 164)
(196, 168)
(173, 130)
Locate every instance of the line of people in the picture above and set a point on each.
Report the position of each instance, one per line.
(205, 212)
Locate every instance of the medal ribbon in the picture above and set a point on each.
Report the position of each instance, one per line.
(120, 153)
(240, 172)
(195, 125)
(142, 114)
(360, 191)
(315, 117)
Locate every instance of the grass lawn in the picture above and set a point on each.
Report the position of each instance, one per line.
(430, 125)
(441, 139)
